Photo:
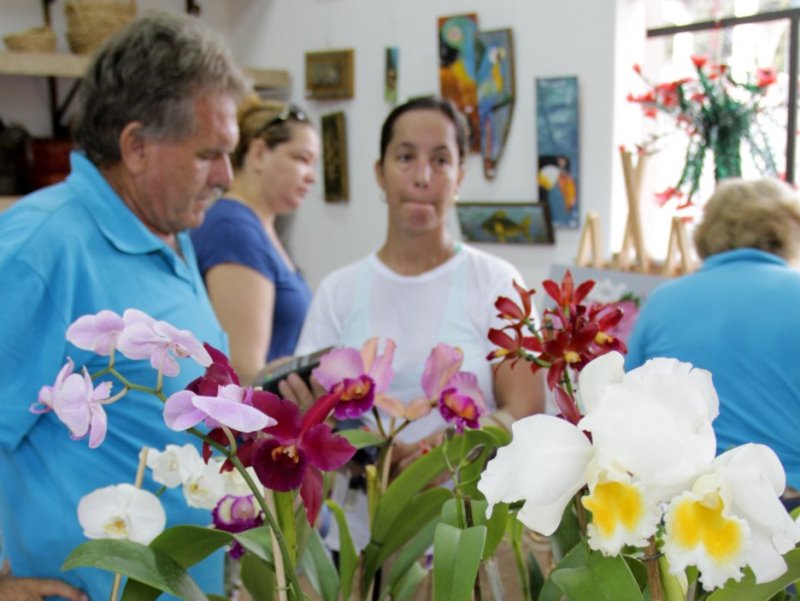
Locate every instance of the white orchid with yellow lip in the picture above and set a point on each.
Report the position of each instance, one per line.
(645, 447)
(645, 444)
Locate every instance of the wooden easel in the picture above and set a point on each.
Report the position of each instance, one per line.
(590, 252)
(633, 240)
(678, 244)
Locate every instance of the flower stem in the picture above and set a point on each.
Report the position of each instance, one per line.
(653, 571)
(294, 585)
(280, 567)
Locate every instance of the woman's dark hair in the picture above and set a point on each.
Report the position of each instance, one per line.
(430, 103)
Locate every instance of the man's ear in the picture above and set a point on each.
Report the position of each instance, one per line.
(133, 147)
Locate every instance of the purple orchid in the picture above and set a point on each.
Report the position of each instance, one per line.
(297, 449)
(455, 392)
(159, 341)
(77, 403)
(237, 514)
(357, 376)
(232, 407)
(97, 333)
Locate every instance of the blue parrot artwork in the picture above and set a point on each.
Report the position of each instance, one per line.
(496, 91)
(557, 143)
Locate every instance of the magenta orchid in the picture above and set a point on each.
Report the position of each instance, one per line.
(298, 448)
(455, 392)
(97, 333)
(358, 376)
(232, 407)
(77, 403)
(159, 341)
(237, 514)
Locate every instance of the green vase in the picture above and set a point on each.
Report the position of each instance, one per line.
(726, 143)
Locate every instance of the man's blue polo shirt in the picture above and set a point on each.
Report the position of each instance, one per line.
(65, 251)
(738, 318)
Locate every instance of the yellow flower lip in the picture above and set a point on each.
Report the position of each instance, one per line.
(696, 523)
(615, 504)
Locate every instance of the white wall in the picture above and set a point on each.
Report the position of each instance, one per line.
(595, 40)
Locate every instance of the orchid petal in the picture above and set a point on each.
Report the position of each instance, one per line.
(286, 414)
(544, 465)
(278, 466)
(97, 333)
(180, 412)
(369, 350)
(183, 343)
(337, 365)
(392, 406)
(122, 512)
(98, 425)
(381, 370)
(596, 376)
(311, 493)
(325, 450)
(233, 414)
(442, 364)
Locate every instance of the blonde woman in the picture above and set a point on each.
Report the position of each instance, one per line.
(259, 295)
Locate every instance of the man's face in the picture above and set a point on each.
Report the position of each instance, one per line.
(181, 178)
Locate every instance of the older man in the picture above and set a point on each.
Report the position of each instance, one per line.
(155, 126)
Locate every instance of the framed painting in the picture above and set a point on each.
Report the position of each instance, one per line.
(392, 60)
(505, 222)
(334, 157)
(457, 63)
(496, 91)
(557, 144)
(329, 74)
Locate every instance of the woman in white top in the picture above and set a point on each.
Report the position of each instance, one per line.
(422, 287)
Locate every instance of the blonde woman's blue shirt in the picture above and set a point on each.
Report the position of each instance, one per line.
(65, 251)
(737, 317)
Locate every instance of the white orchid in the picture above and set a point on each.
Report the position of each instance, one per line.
(122, 511)
(651, 437)
(175, 464)
(205, 487)
(732, 517)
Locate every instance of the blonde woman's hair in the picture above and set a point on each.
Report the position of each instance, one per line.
(268, 120)
(763, 214)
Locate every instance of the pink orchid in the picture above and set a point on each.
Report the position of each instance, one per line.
(144, 337)
(416, 409)
(77, 403)
(97, 333)
(237, 514)
(298, 449)
(359, 376)
(231, 407)
(456, 393)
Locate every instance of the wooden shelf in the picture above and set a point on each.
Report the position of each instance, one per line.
(73, 65)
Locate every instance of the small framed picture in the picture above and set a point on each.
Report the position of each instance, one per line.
(334, 157)
(505, 222)
(329, 74)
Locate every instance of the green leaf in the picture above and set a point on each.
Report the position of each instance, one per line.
(567, 535)
(348, 558)
(577, 557)
(258, 578)
(674, 586)
(362, 438)
(748, 590)
(535, 575)
(409, 556)
(407, 587)
(601, 579)
(318, 567)
(138, 562)
(189, 545)
(456, 559)
(258, 542)
(496, 525)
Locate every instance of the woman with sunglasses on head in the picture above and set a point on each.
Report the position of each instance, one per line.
(258, 294)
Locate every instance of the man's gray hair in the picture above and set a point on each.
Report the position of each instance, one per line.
(151, 72)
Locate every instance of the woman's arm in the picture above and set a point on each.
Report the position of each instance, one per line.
(244, 301)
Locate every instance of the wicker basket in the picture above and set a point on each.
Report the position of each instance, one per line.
(35, 39)
(92, 22)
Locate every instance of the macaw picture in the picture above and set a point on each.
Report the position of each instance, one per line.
(505, 223)
(557, 143)
(496, 91)
(457, 62)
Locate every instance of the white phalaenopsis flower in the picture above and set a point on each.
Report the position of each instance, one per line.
(732, 517)
(651, 437)
(122, 511)
(175, 465)
(205, 487)
(235, 484)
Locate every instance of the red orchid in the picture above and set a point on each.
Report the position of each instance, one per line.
(766, 77)
(512, 311)
(297, 450)
(219, 373)
(566, 296)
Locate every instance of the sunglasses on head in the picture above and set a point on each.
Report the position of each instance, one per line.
(290, 113)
